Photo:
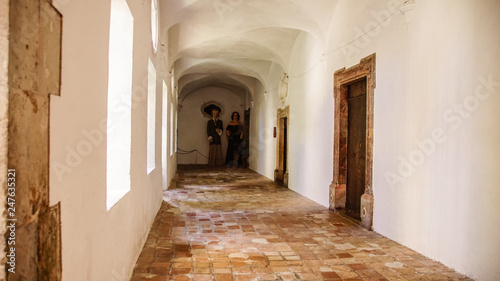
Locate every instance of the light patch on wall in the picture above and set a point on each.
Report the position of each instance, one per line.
(119, 102)
(176, 114)
(164, 134)
(172, 83)
(151, 116)
(283, 88)
(171, 129)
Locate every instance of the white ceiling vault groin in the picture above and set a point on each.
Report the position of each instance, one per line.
(236, 43)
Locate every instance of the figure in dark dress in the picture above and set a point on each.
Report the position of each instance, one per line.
(234, 131)
(214, 132)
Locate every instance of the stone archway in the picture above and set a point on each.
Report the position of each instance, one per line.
(342, 79)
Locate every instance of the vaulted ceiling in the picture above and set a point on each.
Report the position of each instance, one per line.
(235, 43)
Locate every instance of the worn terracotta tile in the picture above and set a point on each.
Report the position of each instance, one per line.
(358, 266)
(246, 277)
(181, 265)
(267, 277)
(224, 277)
(202, 270)
(137, 278)
(309, 276)
(344, 255)
(329, 275)
(180, 278)
(160, 270)
(202, 277)
(234, 224)
(177, 271)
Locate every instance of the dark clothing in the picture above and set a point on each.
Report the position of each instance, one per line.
(211, 126)
(215, 151)
(215, 155)
(233, 143)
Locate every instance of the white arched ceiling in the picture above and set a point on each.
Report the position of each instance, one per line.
(243, 67)
(237, 42)
(238, 84)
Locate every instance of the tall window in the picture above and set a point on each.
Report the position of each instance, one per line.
(172, 128)
(164, 134)
(151, 116)
(154, 24)
(119, 102)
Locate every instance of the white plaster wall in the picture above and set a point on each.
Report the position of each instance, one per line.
(310, 130)
(193, 124)
(442, 204)
(172, 98)
(4, 109)
(434, 177)
(263, 118)
(98, 244)
(311, 121)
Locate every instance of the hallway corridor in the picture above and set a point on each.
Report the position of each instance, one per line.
(220, 224)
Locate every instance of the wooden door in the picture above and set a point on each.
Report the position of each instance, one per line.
(245, 149)
(282, 148)
(285, 144)
(356, 147)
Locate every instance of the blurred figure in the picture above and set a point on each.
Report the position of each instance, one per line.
(234, 131)
(214, 132)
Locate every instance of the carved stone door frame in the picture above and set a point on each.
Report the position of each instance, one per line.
(281, 171)
(342, 78)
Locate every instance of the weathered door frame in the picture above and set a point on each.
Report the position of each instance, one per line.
(281, 171)
(342, 78)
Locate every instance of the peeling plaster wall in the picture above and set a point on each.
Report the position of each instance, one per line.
(98, 244)
(4, 107)
(33, 73)
(193, 124)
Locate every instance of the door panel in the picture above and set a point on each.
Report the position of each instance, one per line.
(356, 147)
(285, 144)
(282, 148)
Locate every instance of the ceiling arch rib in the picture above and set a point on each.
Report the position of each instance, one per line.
(243, 67)
(273, 44)
(228, 82)
(233, 82)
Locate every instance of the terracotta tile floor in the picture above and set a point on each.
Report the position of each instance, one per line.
(235, 224)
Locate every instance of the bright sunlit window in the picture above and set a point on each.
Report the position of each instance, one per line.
(171, 129)
(119, 97)
(175, 132)
(164, 134)
(154, 24)
(172, 82)
(151, 116)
